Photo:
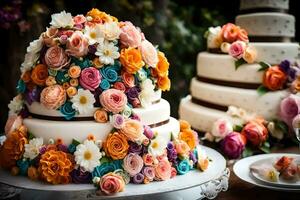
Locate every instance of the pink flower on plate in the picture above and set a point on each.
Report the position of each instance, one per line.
(77, 45)
(237, 49)
(130, 36)
(289, 108)
(163, 170)
(56, 58)
(52, 97)
(221, 128)
(113, 100)
(13, 122)
(79, 19)
(149, 53)
(133, 164)
(90, 78)
(233, 145)
(111, 183)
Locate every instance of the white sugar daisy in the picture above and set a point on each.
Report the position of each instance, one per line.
(62, 20)
(83, 101)
(93, 34)
(88, 155)
(110, 30)
(107, 52)
(32, 149)
(16, 105)
(158, 146)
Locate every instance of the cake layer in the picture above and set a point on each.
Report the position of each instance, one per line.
(256, 4)
(221, 67)
(39, 109)
(79, 130)
(161, 111)
(266, 105)
(267, 24)
(201, 118)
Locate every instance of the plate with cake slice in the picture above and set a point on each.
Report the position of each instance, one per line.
(283, 171)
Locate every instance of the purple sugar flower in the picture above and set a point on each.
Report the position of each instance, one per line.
(285, 66)
(132, 93)
(193, 157)
(148, 132)
(138, 178)
(149, 172)
(170, 146)
(62, 147)
(135, 117)
(33, 95)
(81, 176)
(135, 148)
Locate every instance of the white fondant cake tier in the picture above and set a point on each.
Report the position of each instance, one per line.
(267, 24)
(200, 117)
(266, 105)
(160, 110)
(79, 130)
(221, 67)
(252, 4)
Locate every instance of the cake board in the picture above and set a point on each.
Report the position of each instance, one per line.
(194, 184)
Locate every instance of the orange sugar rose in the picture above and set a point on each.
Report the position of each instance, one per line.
(274, 78)
(162, 66)
(55, 167)
(184, 125)
(164, 83)
(74, 71)
(190, 137)
(39, 74)
(131, 60)
(101, 116)
(99, 16)
(26, 77)
(116, 146)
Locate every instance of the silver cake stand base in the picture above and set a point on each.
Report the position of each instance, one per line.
(193, 185)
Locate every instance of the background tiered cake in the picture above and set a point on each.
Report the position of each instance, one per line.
(220, 84)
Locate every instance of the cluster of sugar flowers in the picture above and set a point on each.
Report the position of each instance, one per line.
(83, 62)
(233, 40)
(241, 133)
(130, 154)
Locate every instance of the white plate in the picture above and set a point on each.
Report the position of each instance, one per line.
(191, 179)
(281, 182)
(242, 170)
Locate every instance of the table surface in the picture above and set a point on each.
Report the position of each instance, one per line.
(239, 189)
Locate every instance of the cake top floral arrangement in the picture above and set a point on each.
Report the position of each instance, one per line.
(95, 64)
(90, 61)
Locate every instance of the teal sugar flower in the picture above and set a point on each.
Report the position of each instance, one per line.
(103, 169)
(104, 85)
(21, 87)
(67, 110)
(183, 167)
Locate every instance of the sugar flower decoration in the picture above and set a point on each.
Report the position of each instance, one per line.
(157, 146)
(32, 149)
(16, 105)
(32, 55)
(110, 30)
(94, 34)
(83, 101)
(147, 94)
(107, 53)
(87, 155)
(62, 20)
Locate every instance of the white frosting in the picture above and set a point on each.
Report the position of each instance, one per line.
(267, 24)
(155, 113)
(221, 67)
(200, 118)
(250, 4)
(266, 105)
(275, 52)
(79, 130)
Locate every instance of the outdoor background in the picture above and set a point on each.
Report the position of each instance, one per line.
(177, 26)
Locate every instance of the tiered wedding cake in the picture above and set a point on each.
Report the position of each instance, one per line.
(89, 109)
(223, 81)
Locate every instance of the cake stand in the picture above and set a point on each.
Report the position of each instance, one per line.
(193, 185)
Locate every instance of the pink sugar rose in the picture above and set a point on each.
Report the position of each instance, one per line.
(49, 36)
(130, 36)
(229, 32)
(52, 97)
(237, 49)
(13, 122)
(113, 100)
(128, 79)
(79, 19)
(77, 45)
(289, 108)
(56, 58)
(182, 148)
(163, 170)
(149, 53)
(90, 78)
(133, 164)
(221, 128)
(233, 145)
(111, 183)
